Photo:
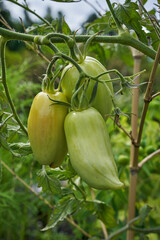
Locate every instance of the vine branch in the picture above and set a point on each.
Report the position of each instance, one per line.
(124, 39)
(148, 94)
(3, 69)
(120, 126)
(155, 95)
(129, 226)
(114, 16)
(148, 158)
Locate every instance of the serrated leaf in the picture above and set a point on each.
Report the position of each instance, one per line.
(48, 182)
(14, 128)
(66, 206)
(22, 148)
(143, 213)
(127, 14)
(62, 175)
(67, 191)
(103, 211)
(3, 142)
(65, 28)
(90, 205)
(106, 214)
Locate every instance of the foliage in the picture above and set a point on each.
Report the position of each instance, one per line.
(57, 201)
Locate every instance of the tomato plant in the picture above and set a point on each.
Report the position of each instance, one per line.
(75, 115)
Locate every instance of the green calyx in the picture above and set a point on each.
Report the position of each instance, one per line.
(48, 85)
(80, 100)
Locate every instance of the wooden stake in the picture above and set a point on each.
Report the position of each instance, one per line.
(137, 56)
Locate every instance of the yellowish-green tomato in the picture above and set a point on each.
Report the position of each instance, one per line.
(46, 129)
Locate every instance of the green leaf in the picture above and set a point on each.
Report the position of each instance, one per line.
(48, 182)
(103, 211)
(22, 148)
(106, 214)
(66, 206)
(99, 52)
(62, 175)
(65, 28)
(14, 128)
(100, 24)
(127, 14)
(5, 145)
(143, 213)
(3, 142)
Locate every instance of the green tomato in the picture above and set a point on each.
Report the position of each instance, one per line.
(92, 67)
(90, 149)
(150, 149)
(46, 129)
(123, 159)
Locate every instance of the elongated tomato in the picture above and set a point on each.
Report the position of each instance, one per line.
(46, 129)
(90, 149)
(92, 67)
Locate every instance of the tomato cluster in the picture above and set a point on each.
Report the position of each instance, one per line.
(54, 130)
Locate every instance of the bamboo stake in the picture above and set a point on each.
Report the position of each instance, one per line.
(137, 56)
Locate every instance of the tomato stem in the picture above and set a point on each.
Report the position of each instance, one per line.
(70, 42)
(114, 16)
(50, 66)
(4, 81)
(125, 39)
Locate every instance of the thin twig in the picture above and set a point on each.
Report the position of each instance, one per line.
(148, 94)
(38, 52)
(123, 229)
(105, 233)
(146, 230)
(148, 158)
(155, 95)
(150, 18)
(4, 22)
(70, 220)
(26, 185)
(33, 12)
(120, 126)
(90, 4)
